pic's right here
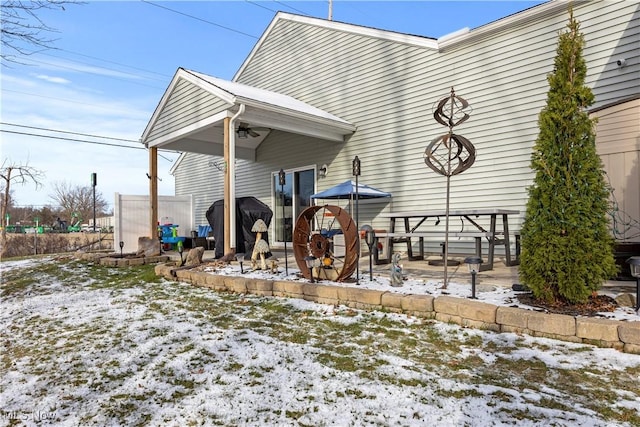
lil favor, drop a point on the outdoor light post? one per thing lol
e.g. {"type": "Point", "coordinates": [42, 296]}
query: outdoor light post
{"type": "Point", "coordinates": [474, 266]}
{"type": "Point", "coordinates": [94, 182]}
{"type": "Point", "coordinates": [121, 246]}
{"type": "Point", "coordinates": [370, 239]}
{"type": "Point", "coordinates": [35, 237]}
{"type": "Point", "coordinates": [282, 176]}
{"type": "Point", "coordinates": [356, 173]}
{"type": "Point", "coordinates": [310, 260]}
{"type": "Point", "coordinates": [240, 259]}
{"type": "Point", "coordinates": [634, 266]}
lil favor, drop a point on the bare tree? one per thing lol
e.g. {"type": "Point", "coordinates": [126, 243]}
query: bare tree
{"type": "Point", "coordinates": [22, 29]}
{"type": "Point", "coordinates": [76, 201]}
{"type": "Point", "coordinates": [17, 174]}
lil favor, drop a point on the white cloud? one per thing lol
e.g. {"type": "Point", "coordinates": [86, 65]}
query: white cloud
{"type": "Point", "coordinates": [58, 80]}
{"type": "Point", "coordinates": [59, 65]}
{"type": "Point", "coordinates": [32, 101]}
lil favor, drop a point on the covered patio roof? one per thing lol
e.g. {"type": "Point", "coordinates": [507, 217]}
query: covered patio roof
{"type": "Point", "coordinates": [190, 116]}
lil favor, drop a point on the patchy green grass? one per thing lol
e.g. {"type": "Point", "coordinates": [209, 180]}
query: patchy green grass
{"type": "Point", "coordinates": [118, 346]}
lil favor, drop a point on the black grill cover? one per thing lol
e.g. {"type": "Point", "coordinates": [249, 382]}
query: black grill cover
{"type": "Point", "coordinates": [248, 211]}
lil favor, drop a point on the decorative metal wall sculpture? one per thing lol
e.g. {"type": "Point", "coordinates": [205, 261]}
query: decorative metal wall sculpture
{"type": "Point", "coordinates": [450, 154]}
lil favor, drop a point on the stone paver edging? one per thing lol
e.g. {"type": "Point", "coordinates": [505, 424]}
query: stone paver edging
{"type": "Point", "coordinates": [621, 335]}
{"type": "Point", "coordinates": [109, 260]}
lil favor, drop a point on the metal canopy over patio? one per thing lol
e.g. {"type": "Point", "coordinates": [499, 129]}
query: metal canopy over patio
{"type": "Point", "coordinates": [203, 114]}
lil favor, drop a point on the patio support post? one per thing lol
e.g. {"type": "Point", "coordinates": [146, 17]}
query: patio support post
{"type": "Point", "coordinates": [153, 191]}
{"type": "Point", "coordinates": [227, 186]}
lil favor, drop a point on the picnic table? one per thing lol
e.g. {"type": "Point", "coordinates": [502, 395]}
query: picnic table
{"type": "Point", "coordinates": [475, 218]}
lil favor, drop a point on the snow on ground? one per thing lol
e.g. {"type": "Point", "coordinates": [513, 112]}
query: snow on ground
{"type": "Point", "coordinates": [485, 292]}
{"type": "Point", "coordinates": [86, 350]}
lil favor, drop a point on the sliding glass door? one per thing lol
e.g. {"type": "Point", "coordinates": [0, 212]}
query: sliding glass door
{"type": "Point", "coordinates": [298, 188]}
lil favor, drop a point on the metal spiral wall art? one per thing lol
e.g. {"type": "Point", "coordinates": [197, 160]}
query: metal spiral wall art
{"type": "Point", "coordinates": [450, 154]}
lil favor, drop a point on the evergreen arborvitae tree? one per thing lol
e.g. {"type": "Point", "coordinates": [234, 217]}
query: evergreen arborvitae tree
{"type": "Point", "coordinates": [567, 250]}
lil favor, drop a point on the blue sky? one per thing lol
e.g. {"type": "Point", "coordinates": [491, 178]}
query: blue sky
{"type": "Point", "coordinates": [113, 61]}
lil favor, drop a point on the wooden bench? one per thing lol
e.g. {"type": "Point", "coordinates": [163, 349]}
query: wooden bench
{"type": "Point", "coordinates": [405, 237]}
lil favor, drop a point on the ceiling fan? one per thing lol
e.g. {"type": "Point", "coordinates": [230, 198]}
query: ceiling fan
{"type": "Point", "coordinates": [244, 130]}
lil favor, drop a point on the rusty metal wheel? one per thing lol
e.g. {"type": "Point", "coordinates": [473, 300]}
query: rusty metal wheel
{"type": "Point", "coordinates": [314, 234]}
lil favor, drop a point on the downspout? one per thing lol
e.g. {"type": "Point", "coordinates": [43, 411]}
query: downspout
{"type": "Point", "coordinates": [231, 170]}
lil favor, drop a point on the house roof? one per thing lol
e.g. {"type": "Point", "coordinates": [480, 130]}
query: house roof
{"type": "Point", "coordinates": [463, 35]}
{"type": "Point", "coordinates": [250, 95]}
{"type": "Point", "coordinates": [181, 127]}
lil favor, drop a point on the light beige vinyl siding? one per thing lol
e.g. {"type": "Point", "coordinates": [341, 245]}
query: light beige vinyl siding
{"type": "Point", "coordinates": [186, 105]}
{"type": "Point", "coordinates": [199, 177]}
{"type": "Point", "coordinates": [387, 90]}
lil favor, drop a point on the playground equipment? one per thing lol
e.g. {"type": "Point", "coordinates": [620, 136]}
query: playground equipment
{"type": "Point", "coordinates": [169, 236]}
{"type": "Point", "coordinates": [76, 223]}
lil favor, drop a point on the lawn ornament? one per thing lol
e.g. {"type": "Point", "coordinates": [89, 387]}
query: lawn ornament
{"type": "Point", "coordinates": [274, 264]}
{"type": "Point", "coordinates": [396, 271]}
{"type": "Point", "coordinates": [450, 154]}
{"type": "Point", "coordinates": [259, 227]}
{"type": "Point", "coordinates": [320, 232]}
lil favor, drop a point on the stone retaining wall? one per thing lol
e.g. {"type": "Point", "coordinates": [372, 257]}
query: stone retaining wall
{"type": "Point", "coordinates": [110, 260]}
{"type": "Point", "coordinates": [624, 336]}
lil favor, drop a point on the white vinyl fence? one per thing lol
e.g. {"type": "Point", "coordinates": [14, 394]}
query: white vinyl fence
{"type": "Point", "coordinates": [132, 217]}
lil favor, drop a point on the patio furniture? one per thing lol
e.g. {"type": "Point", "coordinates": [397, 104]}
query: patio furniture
{"type": "Point", "coordinates": [477, 232]}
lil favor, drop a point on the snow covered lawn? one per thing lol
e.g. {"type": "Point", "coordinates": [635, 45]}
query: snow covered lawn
{"type": "Point", "coordinates": [91, 345]}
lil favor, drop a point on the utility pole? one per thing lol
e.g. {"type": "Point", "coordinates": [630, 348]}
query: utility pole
{"type": "Point", "coordinates": [330, 10]}
{"type": "Point", "coordinates": [94, 182]}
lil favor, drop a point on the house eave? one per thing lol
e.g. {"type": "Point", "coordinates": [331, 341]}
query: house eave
{"type": "Point", "coordinates": [534, 13]}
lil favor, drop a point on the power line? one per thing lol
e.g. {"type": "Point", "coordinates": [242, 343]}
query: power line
{"type": "Point", "coordinates": [59, 99]}
{"type": "Point", "coordinates": [262, 6]}
{"type": "Point", "coordinates": [71, 139]}
{"type": "Point", "coordinates": [69, 132]}
{"type": "Point", "coordinates": [291, 7]}
{"type": "Point", "coordinates": [106, 60]}
{"type": "Point", "coordinates": [81, 140]}
{"type": "Point", "coordinates": [200, 19]}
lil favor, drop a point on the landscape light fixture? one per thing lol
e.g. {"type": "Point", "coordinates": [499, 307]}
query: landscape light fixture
{"type": "Point", "coordinates": [121, 246]}
{"type": "Point", "coordinates": [282, 179]}
{"type": "Point", "coordinates": [634, 266]}
{"type": "Point", "coordinates": [473, 262]}
{"type": "Point", "coordinates": [160, 238]}
{"type": "Point", "coordinates": [240, 259]}
{"type": "Point", "coordinates": [180, 251]}
{"type": "Point", "coordinates": [310, 261]}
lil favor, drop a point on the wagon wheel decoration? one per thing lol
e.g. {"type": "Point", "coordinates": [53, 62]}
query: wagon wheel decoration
{"type": "Point", "coordinates": [327, 220]}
